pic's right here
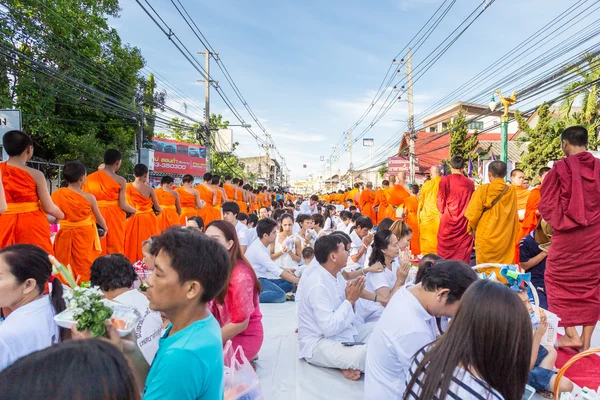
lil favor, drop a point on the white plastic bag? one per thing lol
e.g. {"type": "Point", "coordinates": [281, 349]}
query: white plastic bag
{"type": "Point", "coordinates": [551, 335]}
{"type": "Point", "coordinates": [241, 381]}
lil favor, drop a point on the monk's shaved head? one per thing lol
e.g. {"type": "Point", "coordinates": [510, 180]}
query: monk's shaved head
{"type": "Point", "coordinates": [497, 169]}
{"type": "Point", "coordinates": [435, 171]}
{"type": "Point", "coordinates": [369, 185]}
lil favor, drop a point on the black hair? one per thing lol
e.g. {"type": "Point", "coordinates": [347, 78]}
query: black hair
{"type": "Point", "coordinates": [385, 182]}
{"type": "Point", "coordinates": [207, 177]}
{"type": "Point", "coordinates": [113, 271]}
{"type": "Point", "coordinates": [26, 261]}
{"type": "Point", "coordinates": [449, 274]}
{"type": "Point", "coordinates": [303, 217]}
{"type": "Point", "coordinates": [278, 213]}
{"type": "Point", "coordinates": [73, 171]}
{"type": "Point", "coordinates": [426, 262]}
{"type": "Point", "coordinates": [187, 178]}
{"type": "Point", "coordinates": [243, 217]}
{"type": "Point", "coordinates": [314, 197]}
{"type": "Point", "coordinates": [198, 220]}
{"type": "Point", "coordinates": [285, 216]}
{"type": "Point", "coordinates": [16, 142]}
{"type": "Point", "coordinates": [326, 245]}
{"type": "Point", "coordinates": [345, 214]}
{"type": "Point", "coordinates": [345, 237]}
{"type": "Point", "coordinates": [385, 223]}
{"type": "Point", "coordinates": [232, 207]}
{"type": "Point", "coordinates": [415, 189]}
{"type": "Point", "coordinates": [349, 201]}
{"type": "Point", "coordinates": [576, 136]}
{"type": "Point", "coordinates": [215, 179]}
{"type": "Point", "coordinates": [543, 171]}
{"type": "Point", "coordinates": [112, 156]}
{"type": "Point", "coordinates": [364, 222]}
{"type": "Point", "coordinates": [319, 220]}
{"type": "Point", "coordinates": [195, 256]}
{"type": "Point", "coordinates": [253, 218]}
{"type": "Point", "coordinates": [90, 369]}
{"type": "Point", "coordinates": [498, 169]}
{"type": "Point", "coordinates": [308, 252]}
{"type": "Point", "coordinates": [265, 226]}
{"type": "Point", "coordinates": [381, 241]}
{"type": "Point", "coordinates": [227, 177]}
{"type": "Point", "coordinates": [457, 162]}
{"type": "Point", "coordinates": [235, 181]}
{"type": "Point", "coordinates": [140, 170]}
{"type": "Point", "coordinates": [352, 208]}
{"type": "Point", "coordinates": [166, 180]}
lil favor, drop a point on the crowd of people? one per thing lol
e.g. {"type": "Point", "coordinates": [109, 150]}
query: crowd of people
{"type": "Point", "coordinates": [382, 278]}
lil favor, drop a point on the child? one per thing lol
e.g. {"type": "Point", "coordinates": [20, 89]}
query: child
{"type": "Point", "coordinates": [533, 260]}
{"type": "Point", "coordinates": [542, 375]}
{"type": "Point", "coordinates": [345, 225]}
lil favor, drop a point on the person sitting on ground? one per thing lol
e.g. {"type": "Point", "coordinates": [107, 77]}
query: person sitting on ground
{"type": "Point", "coordinates": [115, 276]}
{"type": "Point", "coordinates": [425, 264]}
{"type": "Point", "coordinates": [486, 349]}
{"type": "Point", "coordinates": [361, 240]}
{"type": "Point", "coordinates": [383, 284]}
{"type": "Point", "coordinates": [408, 324]}
{"type": "Point", "coordinates": [353, 210]}
{"type": "Point", "coordinates": [231, 209]}
{"type": "Point", "coordinates": [344, 225]}
{"type": "Point", "coordinates": [275, 281]}
{"type": "Point", "coordinates": [306, 234]}
{"type": "Point", "coordinates": [387, 223]}
{"type": "Point", "coordinates": [76, 369]}
{"type": "Point", "coordinates": [195, 223]}
{"type": "Point", "coordinates": [286, 250]}
{"type": "Point", "coordinates": [308, 254]}
{"type": "Point", "coordinates": [542, 376]}
{"type": "Point", "coordinates": [318, 224]}
{"type": "Point", "coordinates": [326, 315]}
{"type": "Point", "coordinates": [404, 234]}
{"type": "Point", "coordinates": [533, 259]}
{"type": "Point", "coordinates": [243, 218]}
{"type": "Point", "coordinates": [237, 306]}
{"type": "Point", "coordinates": [24, 271]}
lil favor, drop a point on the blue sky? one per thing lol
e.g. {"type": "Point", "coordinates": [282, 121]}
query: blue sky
{"type": "Point", "coordinates": [309, 68]}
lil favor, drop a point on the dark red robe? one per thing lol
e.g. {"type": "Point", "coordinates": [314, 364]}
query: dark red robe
{"type": "Point", "coordinates": [571, 205]}
{"type": "Point", "coordinates": [454, 243]}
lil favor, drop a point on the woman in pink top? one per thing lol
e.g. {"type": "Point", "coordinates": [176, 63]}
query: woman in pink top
{"type": "Point", "coordinates": [237, 307]}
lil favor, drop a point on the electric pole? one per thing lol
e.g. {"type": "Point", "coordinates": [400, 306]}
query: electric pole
{"type": "Point", "coordinates": [207, 84]}
{"type": "Point", "coordinates": [351, 167]}
{"type": "Point", "coordinates": [411, 117]}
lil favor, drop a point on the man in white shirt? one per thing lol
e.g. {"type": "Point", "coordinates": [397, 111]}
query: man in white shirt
{"type": "Point", "coordinates": [230, 211]}
{"type": "Point", "coordinates": [408, 323]}
{"type": "Point", "coordinates": [327, 332]}
{"type": "Point", "coordinates": [310, 206]}
{"type": "Point", "coordinates": [275, 281]}
{"type": "Point", "coordinates": [361, 240]}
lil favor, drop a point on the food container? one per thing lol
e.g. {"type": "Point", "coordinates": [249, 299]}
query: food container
{"type": "Point", "coordinates": [124, 317]}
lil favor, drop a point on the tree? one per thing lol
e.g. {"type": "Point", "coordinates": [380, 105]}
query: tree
{"type": "Point", "coordinates": [462, 143]}
{"type": "Point", "coordinates": [382, 170]}
{"type": "Point", "coordinates": [224, 163]}
{"type": "Point", "coordinates": [149, 102]}
{"type": "Point", "coordinates": [543, 140]}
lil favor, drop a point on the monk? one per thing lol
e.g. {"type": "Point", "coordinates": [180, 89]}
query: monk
{"type": "Point", "coordinates": [411, 218]}
{"type": "Point", "coordinates": [229, 189]}
{"type": "Point", "coordinates": [221, 195]}
{"type": "Point", "coordinates": [143, 224]}
{"type": "Point", "coordinates": [380, 201]}
{"type": "Point", "coordinates": [209, 196]}
{"type": "Point", "coordinates": [517, 177]}
{"type": "Point", "coordinates": [429, 215]}
{"type": "Point", "coordinates": [240, 194]}
{"type": "Point", "coordinates": [352, 193]}
{"type": "Point", "coordinates": [492, 215]}
{"type": "Point", "coordinates": [109, 189]}
{"type": "Point", "coordinates": [189, 199]}
{"type": "Point", "coordinates": [3, 206]}
{"type": "Point", "coordinates": [367, 198]}
{"type": "Point", "coordinates": [168, 200]}
{"type": "Point", "coordinates": [571, 205]}
{"type": "Point", "coordinates": [77, 242]}
{"type": "Point", "coordinates": [396, 193]}
{"type": "Point", "coordinates": [454, 194]}
{"type": "Point", "coordinates": [25, 189]}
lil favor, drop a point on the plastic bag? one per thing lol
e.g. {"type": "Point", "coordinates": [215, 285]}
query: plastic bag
{"type": "Point", "coordinates": [241, 381]}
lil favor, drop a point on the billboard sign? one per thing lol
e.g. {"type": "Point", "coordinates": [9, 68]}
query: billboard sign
{"type": "Point", "coordinates": [172, 157]}
{"type": "Point", "coordinates": [369, 142]}
{"type": "Point", "coordinates": [398, 164]}
{"type": "Point", "coordinates": [9, 120]}
{"type": "Point", "coordinates": [223, 141]}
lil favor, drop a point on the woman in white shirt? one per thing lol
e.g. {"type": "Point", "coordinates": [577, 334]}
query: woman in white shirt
{"type": "Point", "coordinates": [286, 251]}
{"type": "Point", "coordinates": [24, 271]}
{"type": "Point", "coordinates": [483, 368]}
{"type": "Point", "coordinates": [115, 276]}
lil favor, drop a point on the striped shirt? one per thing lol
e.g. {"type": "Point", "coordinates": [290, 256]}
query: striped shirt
{"type": "Point", "coordinates": [464, 385]}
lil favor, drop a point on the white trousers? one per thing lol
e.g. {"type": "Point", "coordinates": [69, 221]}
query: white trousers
{"type": "Point", "coordinates": [332, 354]}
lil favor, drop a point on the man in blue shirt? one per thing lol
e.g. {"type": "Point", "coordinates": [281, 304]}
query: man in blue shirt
{"type": "Point", "coordinates": [533, 260]}
{"type": "Point", "coordinates": [190, 270]}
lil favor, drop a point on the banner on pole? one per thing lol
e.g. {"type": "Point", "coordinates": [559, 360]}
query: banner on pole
{"type": "Point", "coordinates": [173, 157]}
{"type": "Point", "coordinates": [369, 142]}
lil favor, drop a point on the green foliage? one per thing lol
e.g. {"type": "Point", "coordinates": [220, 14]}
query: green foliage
{"type": "Point", "coordinates": [544, 141]}
{"type": "Point", "coordinates": [382, 170]}
{"type": "Point", "coordinates": [66, 120]}
{"type": "Point", "coordinates": [462, 143]}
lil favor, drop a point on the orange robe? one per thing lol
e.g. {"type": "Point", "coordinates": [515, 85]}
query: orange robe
{"type": "Point", "coordinates": [141, 226]}
{"type": "Point", "coordinates": [106, 191]}
{"type": "Point", "coordinates": [217, 214]}
{"type": "Point", "coordinates": [367, 197]}
{"type": "Point", "coordinates": [168, 217]}
{"type": "Point", "coordinates": [531, 218]}
{"type": "Point", "coordinates": [411, 208]}
{"type": "Point", "coordinates": [496, 228]}
{"type": "Point", "coordinates": [260, 200]}
{"type": "Point", "coordinates": [395, 196]}
{"type": "Point", "coordinates": [230, 191]}
{"type": "Point", "coordinates": [209, 212]}
{"type": "Point", "coordinates": [429, 216]}
{"type": "Point", "coordinates": [187, 202]}
{"type": "Point", "coordinates": [240, 200]}
{"type": "Point", "coordinates": [23, 222]}
{"type": "Point", "coordinates": [339, 198]}
{"type": "Point", "coordinates": [77, 242]}
{"type": "Point", "coordinates": [380, 202]}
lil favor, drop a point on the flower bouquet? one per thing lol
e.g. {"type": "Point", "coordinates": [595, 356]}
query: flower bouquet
{"type": "Point", "coordinates": [87, 309]}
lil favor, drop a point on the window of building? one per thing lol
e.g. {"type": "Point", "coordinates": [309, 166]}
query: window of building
{"type": "Point", "coordinates": [476, 125]}
{"type": "Point", "coordinates": [444, 126]}
{"type": "Point", "coordinates": [432, 129]}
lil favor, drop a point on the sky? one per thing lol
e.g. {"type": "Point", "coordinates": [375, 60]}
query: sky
{"type": "Point", "coordinates": [308, 69]}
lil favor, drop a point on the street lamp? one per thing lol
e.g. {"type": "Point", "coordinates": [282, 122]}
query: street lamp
{"type": "Point", "coordinates": [506, 103]}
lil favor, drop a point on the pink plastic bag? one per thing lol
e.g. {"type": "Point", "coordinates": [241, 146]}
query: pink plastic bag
{"type": "Point", "coordinates": [241, 381]}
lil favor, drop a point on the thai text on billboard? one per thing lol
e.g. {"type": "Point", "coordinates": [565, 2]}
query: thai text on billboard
{"type": "Point", "coordinates": [398, 164]}
{"type": "Point", "coordinates": [174, 157]}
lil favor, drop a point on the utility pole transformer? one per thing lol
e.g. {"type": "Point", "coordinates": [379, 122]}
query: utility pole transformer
{"type": "Point", "coordinates": [207, 84]}
{"type": "Point", "coordinates": [411, 118]}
